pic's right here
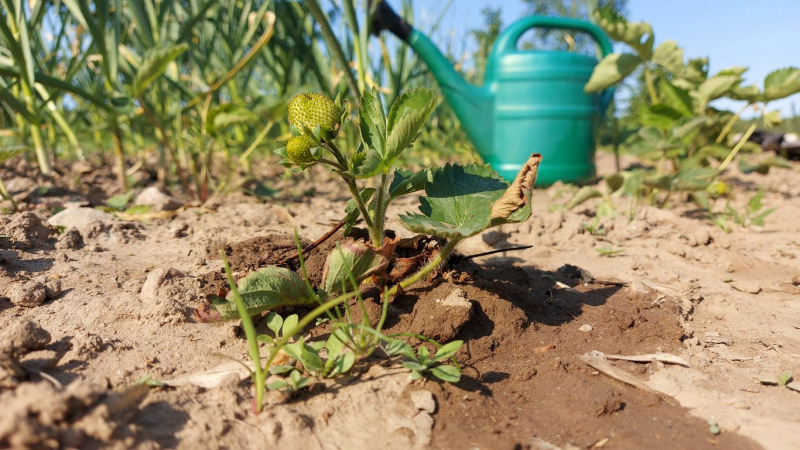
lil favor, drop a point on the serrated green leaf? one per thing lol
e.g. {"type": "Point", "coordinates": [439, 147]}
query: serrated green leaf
{"type": "Point", "coordinates": [678, 98]}
{"type": "Point", "coordinates": [355, 259]}
{"type": "Point", "coordinates": [369, 165]}
{"type": "Point", "coordinates": [660, 116]}
{"type": "Point", "coordinates": [611, 70]}
{"type": "Point", "coordinates": [584, 194]}
{"type": "Point", "coordinates": [781, 83]}
{"type": "Point", "coordinates": [407, 116]}
{"type": "Point", "coordinates": [669, 56]}
{"type": "Point", "coordinates": [638, 35]}
{"type": "Point", "coordinates": [405, 182]}
{"type": "Point", "coordinates": [750, 94]}
{"type": "Point", "coordinates": [447, 373]}
{"type": "Point", "coordinates": [696, 179]}
{"type": "Point", "coordinates": [447, 350]}
{"type": "Point", "coordinates": [154, 64]}
{"type": "Point", "coordinates": [372, 121]}
{"type": "Point", "coordinates": [267, 288]}
{"type": "Point", "coordinates": [458, 201]}
{"type": "Point", "coordinates": [715, 87]}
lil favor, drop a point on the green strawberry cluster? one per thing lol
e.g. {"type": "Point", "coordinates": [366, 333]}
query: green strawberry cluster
{"type": "Point", "coordinates": [315, 121]}
{"type": "Point", "coordinates": [315, 110]}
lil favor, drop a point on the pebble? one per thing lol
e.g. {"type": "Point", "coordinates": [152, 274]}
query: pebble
{"type": "Point", "coordinates": [750, 287]}
{"type": "Point", "coordinates": [585, 328]}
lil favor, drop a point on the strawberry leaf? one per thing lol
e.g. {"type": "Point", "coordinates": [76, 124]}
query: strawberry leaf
{"type": "Point", "coordinates": [267, 288]}
{"type": "Point", "coordinates": [407, 116]}
{"type": "Point", "coordinates": [458, 201]}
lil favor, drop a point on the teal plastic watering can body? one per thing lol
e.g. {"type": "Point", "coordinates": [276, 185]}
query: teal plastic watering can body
{"type": "Point", "coordinates": [532, 101]}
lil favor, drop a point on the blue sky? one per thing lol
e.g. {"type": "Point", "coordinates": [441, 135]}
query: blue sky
{"type": "Point", "coordinates": [763, 36]}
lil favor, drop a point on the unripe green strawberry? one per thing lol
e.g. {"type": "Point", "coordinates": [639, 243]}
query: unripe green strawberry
{"type": "Point", "coordinates": [298, 150]}
{"type": "Point", "coordinates": [314, 110]}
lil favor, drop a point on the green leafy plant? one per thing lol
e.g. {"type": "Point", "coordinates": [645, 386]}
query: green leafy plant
{"type": "Point", "coordinates": [422, 363]}
{"type": "Point", "coordinates": [752, 214]}
{"type": "Point", "coordinates": [459, 201]}
{"type": "Point", "coordinates": [680, 133]}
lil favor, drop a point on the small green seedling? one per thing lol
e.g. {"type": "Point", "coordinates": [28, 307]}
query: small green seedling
{"type": "Point", "coordinates": [595, 228]}
{"type": "Point", "coordinates": [293, 383]}
{"type": "Point", "coordinates": [752, 214]}
{"type": "Point", "coordinates": [422, 363]}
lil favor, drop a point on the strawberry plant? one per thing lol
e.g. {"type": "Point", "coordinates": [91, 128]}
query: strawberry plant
{"type": "Point", "coordinates": [458, 201]}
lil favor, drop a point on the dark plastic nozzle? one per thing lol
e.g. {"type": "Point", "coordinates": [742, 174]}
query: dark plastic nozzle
{"type": "Point", "coordinates": [384, 18]}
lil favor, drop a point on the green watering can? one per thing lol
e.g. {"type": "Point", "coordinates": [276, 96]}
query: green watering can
{"type": "Point", "coordinates": [532, 101]}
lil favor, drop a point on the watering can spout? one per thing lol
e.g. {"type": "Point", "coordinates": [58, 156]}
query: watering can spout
{"type": "Point", "coordinates": [472, 104]}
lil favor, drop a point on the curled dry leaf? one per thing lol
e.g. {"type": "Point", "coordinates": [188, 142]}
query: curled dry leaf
{"type": "Point", "coordinates": [518, 194]}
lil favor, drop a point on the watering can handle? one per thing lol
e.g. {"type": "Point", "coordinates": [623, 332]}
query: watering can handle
{"type": "Point", "coordinates": [507, 42]}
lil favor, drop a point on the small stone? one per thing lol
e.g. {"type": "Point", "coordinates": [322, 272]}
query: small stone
{"type": "Point", "coordinates": [157, 200]}
{"type": "Point", "coordinates": [796, 280]}
{"type": "Point", "coordinates": [28, 293]}
{"type": "Point", "coordinates": [83, 219]}
{"type": "Point", "coordinates": [750, 287]}
{"type": "Point", "coordinates": [585, 328]}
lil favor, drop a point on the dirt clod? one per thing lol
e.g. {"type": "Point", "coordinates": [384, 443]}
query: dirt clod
{"type": "Point", "coordinates": [28, 293]}
{"type": "Point", "coordinates": [25, 230]}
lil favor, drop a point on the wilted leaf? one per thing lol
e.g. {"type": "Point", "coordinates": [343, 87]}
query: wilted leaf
{"type": "Point", "coordinates": [611, 70]}
{"type": "Point", "coordinates": [515, 204]}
